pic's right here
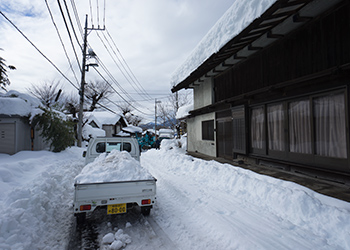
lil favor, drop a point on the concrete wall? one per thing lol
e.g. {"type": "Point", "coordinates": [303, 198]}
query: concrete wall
{"type": "Point", "coordinates": [203, 94]}
{"type": "Point", "coordinates": [194, 136]}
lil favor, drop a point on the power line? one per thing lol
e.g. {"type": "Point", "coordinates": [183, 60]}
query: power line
{"type": "Point", "coordinates": [59, 36]}
{"type": "Point", "coordinates": [116, 62]}
{"type": "Point", "coordinates": [71, 23]}
{"type": "Point", "coordinates": [118, 92]}
{"type": "Point", "coordinates": [134, 77]}
{"type": "Point", "coordinates": [67, 28]}
{"type": "Point", "coordinates": [37, 49]}
{"type": "Point", "coordinates": [112, 78]}
{"type": "Point", "coordinates": [74, 7]}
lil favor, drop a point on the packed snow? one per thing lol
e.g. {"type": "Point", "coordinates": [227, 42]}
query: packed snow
{"type": "Point", "coordinates": [236, 19]}
{"type": "Point", "coordinates": [200, 205]}
{"type": "Point", "coordinates": [114, 166]}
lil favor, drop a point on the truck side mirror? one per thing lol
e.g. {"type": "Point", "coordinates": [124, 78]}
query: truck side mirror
{"type": "Point", "coordinates": [84, 154]}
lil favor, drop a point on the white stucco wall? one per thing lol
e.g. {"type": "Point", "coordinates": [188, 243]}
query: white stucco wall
{"type": "Point", "coordinates": [203, 94]}
{"type": "Point", "coordinates": [194, 135]}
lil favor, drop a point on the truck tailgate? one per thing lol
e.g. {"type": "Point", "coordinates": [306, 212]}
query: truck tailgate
{"type": "Point", "coordinates": [116, 190]}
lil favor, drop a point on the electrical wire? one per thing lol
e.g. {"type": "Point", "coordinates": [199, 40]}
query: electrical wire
{"type": "Point", "coordinates": [135, 80]}
{"type": "Point", "coordinates": [119, 93]}
{"type": "Point", "coordinates": [70, 36]}
{"type": "Point", "coordinates": [92, 20]}
{"type": "Point", "coordinates": [71, 23]}
{"type": "Point", "coordinates": [60, 38]}
{"type": "Point", "coordinates": [116, 62]}
{"type": "Point", "coordinates": [98, 14]}
{"type": "Point", "coordinates": [74, 7]}
{"type": "Point", "coordinates": [41, 53]}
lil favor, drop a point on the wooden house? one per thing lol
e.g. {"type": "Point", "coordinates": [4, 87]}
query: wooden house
{"type": "Point", "coordinates": [278, 90]}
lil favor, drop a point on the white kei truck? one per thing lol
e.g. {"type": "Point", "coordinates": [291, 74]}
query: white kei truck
{"type": "Point", "coordinates": [117, 196]}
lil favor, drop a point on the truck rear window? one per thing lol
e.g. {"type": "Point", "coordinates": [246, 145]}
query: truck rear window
{"type": "Point", "coordinates": [102, 147]}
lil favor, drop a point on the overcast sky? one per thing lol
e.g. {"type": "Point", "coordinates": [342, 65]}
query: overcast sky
{"type": "Point", "coordinates": [153, 36]}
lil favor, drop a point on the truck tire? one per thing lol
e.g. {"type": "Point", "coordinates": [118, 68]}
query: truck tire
{"type": "Point", "coordinates": [80, 217]}
{"type": "Point", "coordinates": [145, 211]}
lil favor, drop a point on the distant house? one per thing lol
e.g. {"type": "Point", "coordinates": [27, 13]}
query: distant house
{"type": "Point", "coordinates": [16, 132]}
{"type": "Point", "coordinates": [271, 83]}
{"type": "Point", "coordinates": [111, 123]}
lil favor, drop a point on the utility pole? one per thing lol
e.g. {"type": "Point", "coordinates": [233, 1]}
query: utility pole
{"type": "Point", "coordinates": [82, 86]}
{"type": "Point", "coordinates": [155, 115]}
{"type": "Point", "coordinates": [84, 68]}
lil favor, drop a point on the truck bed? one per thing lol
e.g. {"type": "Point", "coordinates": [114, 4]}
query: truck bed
{"type": "Point", "coordinates": [108, 193]}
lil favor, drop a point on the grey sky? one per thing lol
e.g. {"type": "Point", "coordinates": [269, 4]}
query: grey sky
{"type": "Point", "coordinates": [153, 36]}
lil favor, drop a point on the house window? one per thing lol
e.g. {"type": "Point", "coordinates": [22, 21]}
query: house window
{"type": "Point", "coordinates": [300, 127]}
{"type": "Point", "coordinates": [257, 128]}
{"type": "Point", "coordinates": [307, 129]}
{"type": "Point", "coordinates": [208, 130]}
{"type": "Point", "coordinates": [330, 131]}
{"type": "Point", "coordinates": [275, 127]}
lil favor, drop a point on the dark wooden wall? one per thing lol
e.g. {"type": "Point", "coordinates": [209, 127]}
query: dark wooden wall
{"type": "Point", "coordinates": [319, 45]}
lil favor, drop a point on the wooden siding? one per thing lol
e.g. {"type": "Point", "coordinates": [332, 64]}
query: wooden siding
{"type": "Point", "coordinates": [320, 45]}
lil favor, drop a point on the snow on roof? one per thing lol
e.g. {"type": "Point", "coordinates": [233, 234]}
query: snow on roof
{"type": "Point", "coordinates": [102, 118]}
{"type": "Point", "coordinates": [89, 131]}
{"type": "Point", "coordinates": [15, 103]}
{"type": "Point", "coordinates": [184, 111]}
{"type": "Point", "coordinates": [235, 20]}
{"type": "Point", "coordinates": [166, 130]}
{"type": "Point", "coordinates": [132, 129]}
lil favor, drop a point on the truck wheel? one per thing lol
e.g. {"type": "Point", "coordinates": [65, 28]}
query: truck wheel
{"type": "Point", "coordinates": [80, 218]}
{"type": "Point", "coordinates": [145, 211]}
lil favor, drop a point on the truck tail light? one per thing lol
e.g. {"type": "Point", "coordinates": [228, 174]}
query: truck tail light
{"type": "Point", "coordinates": [85, 207]}
{"type": "Point", "coordinates": [146, 202]}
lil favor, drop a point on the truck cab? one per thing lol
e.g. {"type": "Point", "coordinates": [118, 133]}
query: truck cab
{"type": "Point", "coordinates": [100, 145]}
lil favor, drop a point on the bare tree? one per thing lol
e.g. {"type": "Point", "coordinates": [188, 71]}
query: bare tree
{"type": "Point", "coordinates": [167, 110]}
{"type": "Point", "coordinates": [72, 104]}
{"type": "Point", "coordinates": [97, 92]}
{"type": "Point", "coordinates": [48, 93]}
{"type": "Point", "coordinates": [128, 114]}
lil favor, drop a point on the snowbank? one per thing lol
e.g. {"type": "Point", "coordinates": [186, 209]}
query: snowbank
{"type": "Point", "coordinates": [115, 166]}
{"type": "Point", "coordinates": [36, 198]}
{"type": "Point", "coordinates": [236, 18]}
{"type": "Point", "coordinates": [228, 207]}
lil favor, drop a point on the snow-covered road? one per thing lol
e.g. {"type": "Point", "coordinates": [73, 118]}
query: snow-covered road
{"type": "Point", "coordinates": [200, 205]}
{"type": "Point", "coordinates": [208, 205]}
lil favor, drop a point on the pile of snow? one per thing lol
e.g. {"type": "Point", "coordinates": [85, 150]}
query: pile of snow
{"type": "Point", "coordinates": [177, 145]}
{"type": "Point", "coordinates": [15, 103]}
{"type": "Point", "coordinates": [235, 20]}
{"type": "Point", "coordinates": [36, 198]}
{"type": "Point", "coordinates": [115, 166]}
{"type": "Point", "coordinates": [116, 241]}
{"type": "Point", "coordinates": [227, 207]}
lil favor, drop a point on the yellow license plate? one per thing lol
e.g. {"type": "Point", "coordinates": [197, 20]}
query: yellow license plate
{"type": "Point", "coordinates": [116, 209]}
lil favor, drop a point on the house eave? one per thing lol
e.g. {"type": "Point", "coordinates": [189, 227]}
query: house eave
{"type": "Point", "coordinates": [282, 18]}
